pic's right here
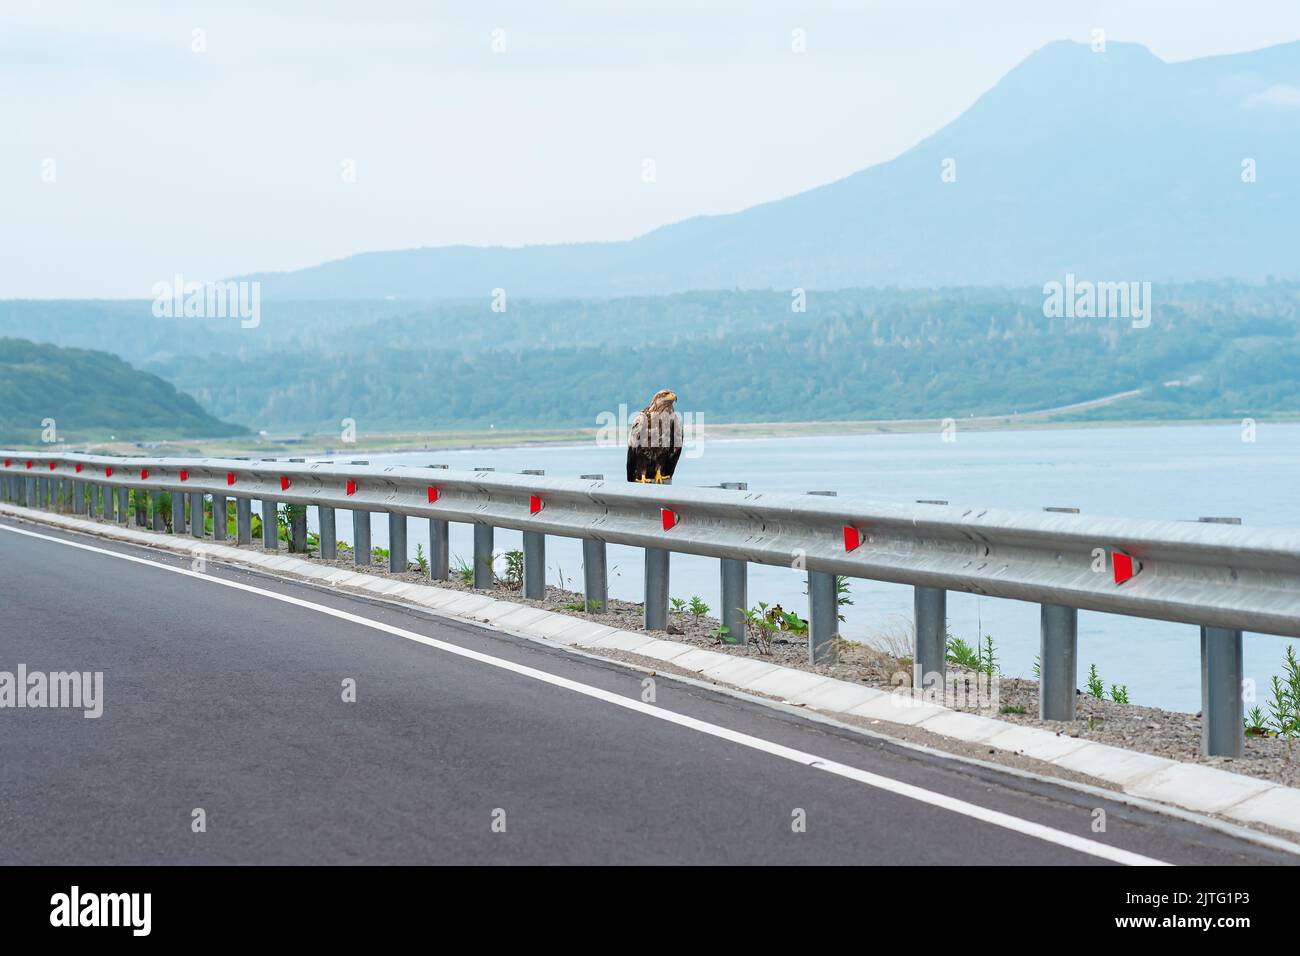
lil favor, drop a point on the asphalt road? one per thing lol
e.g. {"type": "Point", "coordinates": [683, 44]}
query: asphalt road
{"type": "Point", "coordinates": [232, 701]}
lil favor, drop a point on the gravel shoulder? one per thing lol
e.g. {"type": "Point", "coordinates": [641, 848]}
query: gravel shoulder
{"type": "Point", "coordinates": [883, 664]}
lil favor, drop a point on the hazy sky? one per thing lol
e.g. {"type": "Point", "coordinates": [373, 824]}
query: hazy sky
{"type": "Point", "coordinates": [230, 159]}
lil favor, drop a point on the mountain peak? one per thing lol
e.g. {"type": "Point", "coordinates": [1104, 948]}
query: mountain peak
{"type": "Point", "coordinates": [1112, 165]}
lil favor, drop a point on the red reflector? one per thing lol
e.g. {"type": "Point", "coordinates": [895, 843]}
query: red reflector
{"type": "Point", "coordinates": [534, 504]}
{"type": "Point", "coordinates": [78, 467]}
{"type": "Point", "coordinates": [352, 487]}
{"type": "Point", "coordinates": [108, 472]}
{"type": "Point", "coordinates": [230, 477]}
{"type": "Point", "coordinates": [670, 518]}
{"type": "Point", "coordinates": [284, 483]}
{"type": "Point", "coordinates": [7, 463]}
{"type": "Point", "coordinates": [185, 476]}
{"type": "Point", "coordinates": [51, 466]}
{"type": "Point", "coordinates": [433, 494]}
{"type": "Point", "coordinates": [1122, 565]}
{"type": "Point", "coordinates": [852, 538]}
{"type": "Point", "coordinates": [29, 464]}
{"type": "Point", "coordinates": [144, 474]}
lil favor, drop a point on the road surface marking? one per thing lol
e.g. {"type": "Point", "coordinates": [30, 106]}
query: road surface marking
{"type": "Point", "coordinates": [888, 784]}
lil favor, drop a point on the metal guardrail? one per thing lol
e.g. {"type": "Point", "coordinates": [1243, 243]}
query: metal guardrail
{"type": "Point", "coordinates": [1222, 577]}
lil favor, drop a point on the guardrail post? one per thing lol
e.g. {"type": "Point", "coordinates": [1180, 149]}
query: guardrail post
{"type": "Point", "coordinates": [929, 657]}
{"type": "Point", "coordinates": [595, 576]}
{"type": "Point", "coordinates": [329, 547]}
{"type": "Point", "coordinates": [270, 525]}
{"type": "Point", "coordinates": [735, 599]}
{"type": "Point", "coordinates": [1058, 655]}
{"type": "Point", "coordinates": [439, 550]}
{"type": "Point", "coordinates": [1222, 674]}
{"type": "Point", "coordinates": [142, 509]}
{"type": "Point", "coordinates": [155, 511]}
{"type": "Point", "coordinates": [1222, 715]}
{"type": "Point", "coordinates": [196, 514]}
{"type": "Point", "coordinates": [361, 538]}
{"type": "Point", "coordinates": [595, 568]}
{"type": "Point", "coordinates": [123, 505]}
{"type": "Point", "coordinates": [657, 562]}
{"type": "Point", "coordinates": [396, 542]}
{"type": "Point", "coordinates": [823, 612]}
{"type": "Point", "coordinates": [297, 518]}
{"type": "Point", "coordinates": [244, 520]}
{"type": "Point", "coordinates": [735, 588]}
{"type": "Point", "coordinates": [108, 496]}
{"type": "Point", "coordinates": [78, 497]}
{"type": "Point", "coordinates": [297, 515]}
{"type": "Point", "coordinates": [220, 517]}
{"type": "Point", "coordinates": [823, 618]}
{"type": "Point", "coordinates": [361, 532]}
{"type": "Point", "coordinates": [483, 576]}
{"type": "Point", "coordinates": [534, 559]}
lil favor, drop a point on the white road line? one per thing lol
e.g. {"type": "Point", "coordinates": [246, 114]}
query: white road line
{"type": "Point", "coordinates": [920, 794]}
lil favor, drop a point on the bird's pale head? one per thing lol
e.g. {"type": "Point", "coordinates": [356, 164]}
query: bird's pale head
{"type": "Point", "coordinates": [663, 400]}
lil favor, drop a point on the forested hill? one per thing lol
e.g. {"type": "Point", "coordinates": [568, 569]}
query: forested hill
{"type": "Point", "coordinates": [1210, 351]}
{"type": "Point", "coordinates": [91, 396]}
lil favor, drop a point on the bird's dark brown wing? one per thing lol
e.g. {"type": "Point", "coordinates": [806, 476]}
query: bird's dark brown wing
{"type": "Point", "coordinates": [637, 458]}
{"type": "Point", "coordinates": [674, 450]}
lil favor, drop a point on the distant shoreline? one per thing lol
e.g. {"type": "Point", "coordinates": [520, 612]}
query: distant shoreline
{"type": "Point", "coordinates": [398, 442]}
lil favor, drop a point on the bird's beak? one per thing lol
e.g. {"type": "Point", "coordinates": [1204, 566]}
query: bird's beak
{"type": "Point", "coordinates": [672, 396]}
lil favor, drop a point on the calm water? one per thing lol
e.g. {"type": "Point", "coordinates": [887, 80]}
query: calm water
{"type": "Point", "coordinates": [1152, 472]}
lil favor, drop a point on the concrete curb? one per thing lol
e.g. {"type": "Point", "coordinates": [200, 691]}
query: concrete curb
{"type": "Point", "coordinates": [1189, 786]}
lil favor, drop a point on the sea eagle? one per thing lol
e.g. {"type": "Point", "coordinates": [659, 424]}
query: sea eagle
{"type": "Point", "coordinates": [654, 440]}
